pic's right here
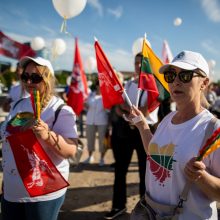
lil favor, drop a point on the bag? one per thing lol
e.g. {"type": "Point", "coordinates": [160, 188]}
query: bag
{"type": "Point", "coordinates": [144, 211]}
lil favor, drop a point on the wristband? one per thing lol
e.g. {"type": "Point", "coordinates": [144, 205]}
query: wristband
{"type": "Point", "coordinates": [136, 119]}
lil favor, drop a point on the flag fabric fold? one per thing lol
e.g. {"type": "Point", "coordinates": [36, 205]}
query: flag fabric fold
{"type": "Point", "coordinates": [147, 80]}
{"type": "Point", "coordinates": [14, 49]}
{"type": "Point", "coordinates": [78, 90]}
{"type": "Point", "coordinates": [110, 86]}
{"type": "Point", "coordinates": [155, 64]}
{"type": "Point", "coordinates": [212, 144]}
{"type": "Point", "coordinates": [39, 175]}
{"type": "Point", "coordinates": [167, 55]}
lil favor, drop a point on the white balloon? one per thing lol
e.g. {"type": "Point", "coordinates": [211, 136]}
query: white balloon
{"type": "Point", "coordinates": [177, 22]}
{"type": "Point", "coordinates": [37, 43]}
{"type": "Point", "coordinates": [58, 46]}
{"type": "Point", "coordinates": [90, 64]}
{"type": "Point", "coordinates": [137, 45]}
{"type": "Point", "coordinates": [69, 8]}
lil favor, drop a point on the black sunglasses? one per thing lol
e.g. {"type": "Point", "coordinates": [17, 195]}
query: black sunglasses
{"type": "Point", "coordinates": [184, 76]}
{"type": "Point", "coordinates": [34, 78]}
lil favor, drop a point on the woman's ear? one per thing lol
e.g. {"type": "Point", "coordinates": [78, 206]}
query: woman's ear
{"type": "Point", "coordinates": [205, 83]}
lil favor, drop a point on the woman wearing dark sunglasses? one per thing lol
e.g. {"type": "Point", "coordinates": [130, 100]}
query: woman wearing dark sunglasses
{"type": "Point", "coordinates": [172, 150]}
{"type": "Point", "coordinates": [58, 139]}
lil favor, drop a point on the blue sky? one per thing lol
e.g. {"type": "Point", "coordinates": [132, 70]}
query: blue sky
{"type": "Point", "coordinates": [117, 24]}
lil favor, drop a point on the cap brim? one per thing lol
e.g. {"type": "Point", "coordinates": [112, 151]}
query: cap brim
{"type": "Point", "coordinates": [24, 61]}
{"type": "Point", "coordinates": [181, 65]}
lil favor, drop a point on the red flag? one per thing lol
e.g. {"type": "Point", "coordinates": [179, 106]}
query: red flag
{"type": "Point", "coordinates": [14, 49]}
{"type": "Point", "coordinates": [38, 173]}
{"type": "Point", "coordinates": [110, 86]}
{"type": "Point", "coordinates": [78, 90]}
{"type": "Point", "coordinates": [167, 55]}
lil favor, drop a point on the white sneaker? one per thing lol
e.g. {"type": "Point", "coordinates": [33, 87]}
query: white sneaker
{"type": "Point", "coordinates": [89, 160]}
{"type": "Point", "coordinates": [101, 162]}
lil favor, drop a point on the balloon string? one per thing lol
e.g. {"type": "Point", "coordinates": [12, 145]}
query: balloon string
{"type": "Point", "coordinates": [63, 28]}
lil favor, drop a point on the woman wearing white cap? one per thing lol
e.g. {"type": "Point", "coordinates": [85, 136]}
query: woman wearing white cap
{"type": "Point", "coordinates": [31, 195]}
{"type": "Point", "coordinates": [172, 150]}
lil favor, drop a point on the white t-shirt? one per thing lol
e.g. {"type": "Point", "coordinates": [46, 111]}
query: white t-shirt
{"type": "Point", "coordinates": [96, 114]}
{"type": "Point", "coordinates": [171, 147]}
{"type": "Point", "coordinates": [131, 88]}
{"type": "Point", "coordinates": [65, 125]}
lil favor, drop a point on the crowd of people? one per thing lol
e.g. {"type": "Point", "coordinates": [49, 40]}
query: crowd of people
{"type": "Point", "coordinates": [167, 142]}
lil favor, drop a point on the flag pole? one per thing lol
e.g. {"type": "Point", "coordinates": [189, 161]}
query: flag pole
{"type": "Point", "coordinates": [139, 89]}
{"type": "Point", "coordinates": [127, 98]}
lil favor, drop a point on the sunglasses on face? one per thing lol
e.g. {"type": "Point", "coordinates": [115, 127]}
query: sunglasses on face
{"type": "Point", "coordinates": [34, 78]}
{"type": "Point", "coordinates": [184, 76]}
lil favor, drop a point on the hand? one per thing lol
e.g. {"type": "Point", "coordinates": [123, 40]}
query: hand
{"type": "Point", "coordinates": [125, 108]}
{"type": "Point", "coordinates": [194, 169]}
{"type": "Point", "coordinates": [41, 129]}
{"type": "Point", "coordinates": [135, 116]}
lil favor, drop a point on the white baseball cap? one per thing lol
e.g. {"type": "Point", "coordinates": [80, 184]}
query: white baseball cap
{"type": "Point", "coordinates": [188, 60]}
{"type": "Point", "coordinates": [39, 60]}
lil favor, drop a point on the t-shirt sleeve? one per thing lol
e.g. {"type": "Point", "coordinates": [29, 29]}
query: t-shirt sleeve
{"type": "Point", "coordinates": [66, 123]}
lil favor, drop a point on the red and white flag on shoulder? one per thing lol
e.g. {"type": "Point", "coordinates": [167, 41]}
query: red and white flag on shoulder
{"type": "Point", "coordinates": [110, 86]}
{"type": "Point", "coordinates": [78, 90]}
{"type": "Point", "coordinates": [167, 55]}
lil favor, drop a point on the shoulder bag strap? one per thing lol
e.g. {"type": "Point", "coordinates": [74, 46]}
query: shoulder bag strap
{"type": "Point", "coordinates": [16, 103]}
{"type": "Point", "coordinates": [57, 112]}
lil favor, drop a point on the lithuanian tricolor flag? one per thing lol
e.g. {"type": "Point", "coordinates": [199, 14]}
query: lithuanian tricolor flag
{"type": "Point", "coordinates": [150, 79]}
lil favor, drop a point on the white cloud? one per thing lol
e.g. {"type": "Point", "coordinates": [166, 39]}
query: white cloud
{"type": "Point", "coordinates": [209, 46]}
{"type": "Point", "coordinates": [117, 12]}
{"type": "Point", "coordinates": [212, 9]}
{"type": "Point", "coordinates": [97, 5]}
{"type": "Point", "coordinates": [49, 30]}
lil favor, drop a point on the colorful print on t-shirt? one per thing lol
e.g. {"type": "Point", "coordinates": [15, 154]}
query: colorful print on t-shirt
{"type": "Point", "coordinates": [161, 161]}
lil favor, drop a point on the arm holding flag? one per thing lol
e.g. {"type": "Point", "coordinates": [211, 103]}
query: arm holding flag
{"type": "Point", "coordinates": [65, 147]}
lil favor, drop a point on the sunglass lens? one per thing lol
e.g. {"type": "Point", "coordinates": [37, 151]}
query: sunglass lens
{"type": "Point", "coordinates": [24, 77]}
{"type": "Point", "coordinates": [36, 78]}
{"type": "Point", "coordinates": [186, 76]}
{"type": "Point", "coordinates": [169, 77]}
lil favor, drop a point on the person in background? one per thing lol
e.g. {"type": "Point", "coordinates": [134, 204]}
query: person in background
{"type": "Point", "coordinates": [125, 140]}
{"type": "Point", "coordinates": [96, 121]}
{"type": "Point", "coordinates": [179, 138]}
{"type": "Point", "coordinates": [58, 141]}
{"type": "Point", "coordinates": [16, 91]}
{"type": "Point", "coordinates": [211, 94]}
